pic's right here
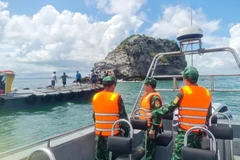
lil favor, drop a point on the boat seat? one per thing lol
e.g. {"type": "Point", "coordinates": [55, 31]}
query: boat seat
{"type": "Point", "coordinates": [165, 139]}
{"type": "Point", "coordinates": [119, 144]}
{"type": "Point", "coordinates": [139, 124]}
{"type": "Point", "coordinates": [223, 134]}
{"type": "Point", "coordinates": [189, 153]}
{"type": "Point", "coordinates": [137, 154]}
{"type": "Point", "coordinates": [124, 145]}
{"type": "Point", "coordinates": [197, 154]}
{"type": "Point", "coordinates": [214, 119]}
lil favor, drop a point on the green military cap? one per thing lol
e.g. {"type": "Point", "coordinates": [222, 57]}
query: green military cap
{"type": "Point", "coordinates": [191, 74]}
{"type": "Point", "coordinates": [150, 81]}
{"type": "Point", "coordinates": [108, 81]}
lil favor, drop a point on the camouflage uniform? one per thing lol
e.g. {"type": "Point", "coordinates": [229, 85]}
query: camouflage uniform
{"type": "Point", "coordinates": [101, 152]}
{"type": "Point", "coordinates": [155, 104]}
{"type": "Point", "coordinates": [194, 139]}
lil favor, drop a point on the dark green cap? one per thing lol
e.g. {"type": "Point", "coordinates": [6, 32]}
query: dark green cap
{"type": "Point", "coordinates": [150, 81]}
{"type": "Point", "coordinates": [108, 81]}
{"type": "Point", "coordinates": [191, 74]}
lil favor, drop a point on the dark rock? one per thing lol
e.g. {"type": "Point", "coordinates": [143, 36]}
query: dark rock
{"type": "Point", "coordinates": [132, 58]}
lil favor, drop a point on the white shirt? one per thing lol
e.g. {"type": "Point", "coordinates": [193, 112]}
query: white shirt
{"type": "Point", "coordinates": [54, 77]}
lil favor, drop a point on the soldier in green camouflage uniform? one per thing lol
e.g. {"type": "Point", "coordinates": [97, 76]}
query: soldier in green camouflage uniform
{"type": "Point", "coordinates": [150, 85]}
{"type": "Point", "coordinates": [101, 152]}
{"type": "Point", "coordinates": [194, 140]}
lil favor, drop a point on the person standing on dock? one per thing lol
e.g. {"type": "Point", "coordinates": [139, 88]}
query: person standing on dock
{"type": "Point", "coordinates": [54, 79]}
{"type": "Point", "coordinates": [108, 107]}
{"type": "Point", "coordinates": [78, 78]}
{"type": "Point", "coordinates": [64, 79]}
{"type": "Point", "coordinates": [94, 79]}
{"type": "Point", "coordinates": [151, 101]}
{"type": "Point", "coordinates": [194, 109]}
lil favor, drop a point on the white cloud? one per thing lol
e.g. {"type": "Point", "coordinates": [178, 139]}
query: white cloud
{"type": "Point", "coordinates": [66, 41]}
{"type": "Point", "coordinates": [220, 62]}
{"type": "Point", "coordinates": [235, 37]}
{"type": "Point", "coordinates": [3, 5]}
{"type": "Point", "coordinates": [121, 7]}
{"type": "Point", "coordinates": [176, 17]}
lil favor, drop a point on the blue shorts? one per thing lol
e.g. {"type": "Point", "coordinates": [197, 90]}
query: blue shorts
{"type": "Point", "coordinates": [94, 81]}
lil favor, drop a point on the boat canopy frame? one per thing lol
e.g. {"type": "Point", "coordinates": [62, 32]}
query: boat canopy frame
{"type": "Point", "coordinates": [199, 51]}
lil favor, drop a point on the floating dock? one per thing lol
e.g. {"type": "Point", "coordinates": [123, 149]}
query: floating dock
{"type": "Point", "coordinates": [29, 98]}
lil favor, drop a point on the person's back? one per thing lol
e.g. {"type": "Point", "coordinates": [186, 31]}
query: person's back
{"type": "Point", "coordinates": [54, 79]}
{"type": "Point", "coordinates": [194, 107]}
{"type": "Point", "coordinates": [108, 107]}
{"type": "Point", "coordinates": [64, 79]}
{"type": "Point", "coordinates": [94, 79]}
{"type": "Point", "coordinates": [94, 76]}
{"type": "Point", "coordinates": [78, 78]}
{"type": "Point", "coordinates": [107, 115]}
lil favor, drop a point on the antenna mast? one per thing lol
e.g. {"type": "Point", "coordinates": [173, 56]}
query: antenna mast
{"type": "Point", "coordinates": [191, 44]}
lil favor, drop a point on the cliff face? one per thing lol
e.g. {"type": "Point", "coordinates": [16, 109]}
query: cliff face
{"type": "Point", "coordinates": [132, 58]}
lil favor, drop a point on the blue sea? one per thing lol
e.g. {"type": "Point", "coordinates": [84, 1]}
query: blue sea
{"type": "Point", "coordinates": [18, 128]}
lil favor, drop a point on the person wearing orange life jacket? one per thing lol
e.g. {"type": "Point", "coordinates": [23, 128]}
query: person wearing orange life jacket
{"type": "Point", "coordinates": [108, 107]}
{"type": "Point", "coordinates": [151, 100]}
{"type": "Point", "coordinates": [194, 109]}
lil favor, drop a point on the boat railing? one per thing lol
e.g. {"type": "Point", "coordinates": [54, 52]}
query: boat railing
{"type": "Point", "coordinates": [44, 150]}
{"type": "Point", "coordinates": [47, 141]}
{"type": "Point", "coordinates": [200, 51]}
{"type": "Point", "coordinates": [211, 76]}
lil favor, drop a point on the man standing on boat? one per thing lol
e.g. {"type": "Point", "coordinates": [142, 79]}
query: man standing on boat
{"type": "Point", "coordinates": [108, 107]}
{"type": "Point", "coordinates": [151, 101]}
{"type": "Point", "coordinates": [194, 109]}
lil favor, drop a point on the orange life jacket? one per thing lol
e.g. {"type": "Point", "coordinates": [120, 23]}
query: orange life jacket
{"type": "Point", "coordinates": [106, 112]}
{"type": "Point", "coordinates": [193, 107]}
{"type": "Point", "coordinates": [145, 103]}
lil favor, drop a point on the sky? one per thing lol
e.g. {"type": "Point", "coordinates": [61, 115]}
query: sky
{"type": "Point", "coordinates": [39, 37]}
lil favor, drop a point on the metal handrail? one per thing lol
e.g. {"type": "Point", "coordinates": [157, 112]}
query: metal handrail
{"type": "Point", "coordinates": [48, 140]}
{"type": "Point", "coordinates": [45, 150]}
{"type": "Point", "coordinates": [155, 60]}
{"type": "Point", "coordinates": [130, 134]}
{"type": "Point", "coordinates": [202, 75]}
{"type": "Point", "coordinates": [219, 113]}
{"type": "Point", "coordinates": [206, 131]}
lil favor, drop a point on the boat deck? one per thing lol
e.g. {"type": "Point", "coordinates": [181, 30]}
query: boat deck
{"type": "Point", "coordinates": [80, 144]}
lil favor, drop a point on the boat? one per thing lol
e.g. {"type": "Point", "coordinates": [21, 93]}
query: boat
{"type": "Point", "coordinates": [222, 142]}
{"type": "Point", "coordinates": [14, 99]}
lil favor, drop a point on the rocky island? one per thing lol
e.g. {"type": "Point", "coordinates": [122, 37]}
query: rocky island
{"type": "Point", "coordinates": [132, 58]}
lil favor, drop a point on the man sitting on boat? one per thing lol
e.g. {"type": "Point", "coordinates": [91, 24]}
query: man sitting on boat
{"type": "Point", "coordinates": [108, 107]}
{"type": "Point", "coordinates": [194, 109]}
{"type": "Point", "coordinates": [151, 100]}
